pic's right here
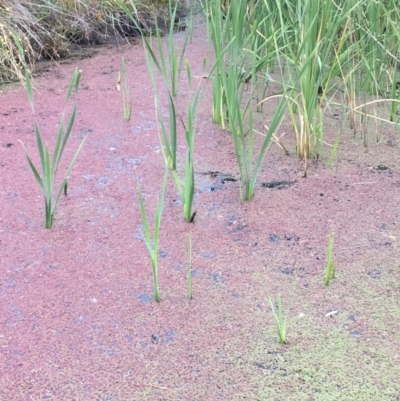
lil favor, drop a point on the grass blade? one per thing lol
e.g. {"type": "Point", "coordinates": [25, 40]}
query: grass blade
{"type": "Point", "coordinates": [29, 91]}
{"type": "Point", "coordinates": [33, 168]}
{"type": "Point", "coordinates": [152, 243]}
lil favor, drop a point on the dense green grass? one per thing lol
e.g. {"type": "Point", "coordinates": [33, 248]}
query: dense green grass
{"type": "Point", "coordinates": [317, 50]}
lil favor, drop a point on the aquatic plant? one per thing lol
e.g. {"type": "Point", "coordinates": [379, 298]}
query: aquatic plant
{"type": "Point", "coordinates": [331, 263]}
{"type": "Point", "coordinates": [49, 164]}
{"type": "Point", "coordinates": [153, 241]}
{"type": "Point", "coordinates": [236, 37]}
{"type": "Point", "coordinates": [168, 63]}
{"type": "Point", "coordinates": [280, 318]}
{"type": "Point", "coordinates": [321, 47]}
{"type": "Point", "coordinates": [123, 81]}
{"type": "Point", "coordinates": [186, 190]}
{"type": "Point", "coordinates": [170, 66]}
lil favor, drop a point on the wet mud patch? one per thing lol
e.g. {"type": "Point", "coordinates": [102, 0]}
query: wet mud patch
{"type": "Point", "coordinates": [211, 181]}
{"type": "Point", "coordinates": [278, 184]}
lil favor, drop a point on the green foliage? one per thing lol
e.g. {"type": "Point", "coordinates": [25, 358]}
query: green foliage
{"type": "Point", "coordinates": [126, 102]}
{"type": "Point", "coordinates": [331, 263]}
{"type": "Point", "coordinates": [170, 72]}
{"type": "Point", "coordinates": [168, 139]}
{"type": "Point", "coordinates": [280, 318]}
{"type": "Point", "coordinates": [49, 164]}
{"type": "Point", "coordinates": [236, 37]}
{"type": "Point", "coordinates": [170, 65]}
{"type": "Point", "coordinates": [320, 46]}
{"type": "Point", "coordinates": [186, 191]}
{"type": "Point", "coordinates": [394, 91]}
{"type": "Point", "coordinates": [152, 241]}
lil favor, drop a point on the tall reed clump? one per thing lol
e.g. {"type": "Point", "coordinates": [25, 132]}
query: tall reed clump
{"type": "Point", "coordinates": [322, 47]}
{"type": "Point", "coordinates": [313, 33]}
{"type": "Point", "coordinates": [242, 51]}
{"type": "Point", "coordinates": [152, 241]}
{"type": "Point", "coordinates": [330, 46]}
{"type": "Point", "coordinates": [49, 164]}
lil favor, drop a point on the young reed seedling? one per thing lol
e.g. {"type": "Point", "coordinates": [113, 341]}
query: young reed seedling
{"type": "Point", "coordinates": [280, 318]}
{"type": "Point", "coordinates": [334, 151]}
{"type": "Point", "coordinates": [152, 242]}
{"type": "Point", "coordinates": [330, 267]}
{"type": "Point", "coordinates": [186, 191]}
{"type": "Point", "coordinates": [49, 164]}
{"type": "Point", "coordinates": [168, 139]}
{"type": "Point", "coordinates": [126, 102]}
{"type": "Point", "coordinates": [170, 65]}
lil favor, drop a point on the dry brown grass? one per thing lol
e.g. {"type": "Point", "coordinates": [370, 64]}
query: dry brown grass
{"type": "Point", "coordinates": [45, 28]}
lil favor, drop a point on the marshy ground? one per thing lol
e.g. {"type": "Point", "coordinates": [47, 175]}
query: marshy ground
{"type": "Point", "coordinates": [77, 319]}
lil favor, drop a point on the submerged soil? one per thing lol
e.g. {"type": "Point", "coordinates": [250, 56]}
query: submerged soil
{"type": "Point", "coordinates": [77, 318]}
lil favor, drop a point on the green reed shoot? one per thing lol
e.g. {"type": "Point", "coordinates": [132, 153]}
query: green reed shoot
{"type": "Point", "coordinates": [176, 61]}
{"type": "Point", "coordinates": [189, 266]}
{"type": "Point", "coordinates": [222, 39]}
{"type": "Point", "coordinates": [126, 102]}
{"type": "Point", "coordinates": [168, 139]}
{"type": "Point", "coordinates": [186, 190]}
{"type": "Point", "coordinates": [310, 50]}
{"type": "Point", "coordinates": [152, 241]}
{"type": "Point", "coordinates": [334, 151]}
{"type": "Point", "coordinates": [170, 65]}
{"type": "Point", "coordinates": [262, 87]}
{"type": "Point", "coordinates": [280, 318]}
{"type": "Point", "coordinates": [394, 92]}
{"type": "Point", "coordinates": [170, 72]}
{"type": "Point", "coordinates": [49, 164]}
{"type": "Point", "coordinates": [330, 266]}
